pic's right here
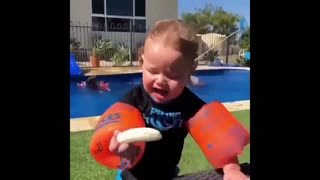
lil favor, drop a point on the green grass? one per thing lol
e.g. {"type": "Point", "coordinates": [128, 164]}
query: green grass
{"type": "Point", "coordinates": [82, 165]}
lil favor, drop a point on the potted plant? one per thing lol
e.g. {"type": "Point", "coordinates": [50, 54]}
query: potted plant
{"type": "Point", "coordinates": [121, 56]}
{"type": "Point", "coordinates": [101, 47]}
{"type": "Point", "coordinates": [95, 58]}
{"type": "Point", "coordinates": [74, 45]}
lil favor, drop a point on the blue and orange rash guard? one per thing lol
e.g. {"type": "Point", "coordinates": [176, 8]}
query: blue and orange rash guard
{"type": "Point", "coordinates": [161, 158]}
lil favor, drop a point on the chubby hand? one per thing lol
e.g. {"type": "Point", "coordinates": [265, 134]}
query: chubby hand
{"type": "Point", "coordinates": [124, 150]}
{"type": "Point", "coordinates": [233, 172]}
{"type": "Point", "coordinates": [235, 175]}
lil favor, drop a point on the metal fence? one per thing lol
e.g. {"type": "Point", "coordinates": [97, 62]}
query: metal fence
{"type": "Point", "coordinates": [130, 38]}
{"type": "Point", "coordinates": [225, 48]}
{"type": "Point", "coordinates": [126, 36]}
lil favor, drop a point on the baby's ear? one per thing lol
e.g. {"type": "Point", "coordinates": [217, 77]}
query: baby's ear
{"type": "Point", "coordinates": [140, 55]}
{"type": "Point", "coordinates": [141, 58]}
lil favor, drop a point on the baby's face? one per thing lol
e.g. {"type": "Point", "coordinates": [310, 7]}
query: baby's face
{"type": "Point", "coordinates": [165, 72]}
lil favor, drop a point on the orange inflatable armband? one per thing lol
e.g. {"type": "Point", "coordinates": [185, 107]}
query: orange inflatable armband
{"type": "Point", "coordinates": [119, 116]}
{"type": "Point", "coordinates": [219, 134]}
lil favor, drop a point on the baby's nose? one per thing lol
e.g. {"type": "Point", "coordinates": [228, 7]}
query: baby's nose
{"type": "Point", "coordinates": [161, 80]}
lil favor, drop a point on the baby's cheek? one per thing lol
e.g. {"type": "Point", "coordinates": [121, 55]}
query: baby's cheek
{"type": "Point", "coordinates": [148, 83]}
{"type": "Point", "coordinates": [173, 84]}
{"type": "Point", "coordinates": [175, 87]}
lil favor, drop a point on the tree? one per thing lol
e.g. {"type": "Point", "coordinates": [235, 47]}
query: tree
{"type": "Point", "coordinates": [245, 40]}
{"type": "Point", "coordinates": [225, 23]}
{"type": "Point", "coordinates": [210, 19]}
{"type": "Point", "coordinates": [197, 21]}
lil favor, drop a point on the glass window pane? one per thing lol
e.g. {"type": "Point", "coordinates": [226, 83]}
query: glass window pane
{"type": "Point", "coordinates": [120, 7]}
{"type": "Point", "coordinates": [140, 25]}
{"type": "Point", "coordinates": [98, 24]}
{"type": "Point", "coordinates": [118, 24]}
{"type": "Point", "coordinates": [140, 8]}
{"type": "Point", "coordinates": [97, 6]}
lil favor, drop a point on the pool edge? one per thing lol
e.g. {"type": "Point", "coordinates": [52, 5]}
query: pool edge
{"type": "Point", "coordinates": [109, 72]}
{"type": "Point", "coordinates": [88, 123]}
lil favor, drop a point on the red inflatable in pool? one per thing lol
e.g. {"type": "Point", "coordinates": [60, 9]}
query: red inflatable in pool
{"type": "Point", "coordinates": [104, 86]}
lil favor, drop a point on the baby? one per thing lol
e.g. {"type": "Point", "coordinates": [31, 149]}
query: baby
{"type": "Point", "coordinates": [165, 102]}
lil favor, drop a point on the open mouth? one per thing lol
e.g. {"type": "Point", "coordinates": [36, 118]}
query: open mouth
{"type": "Point", "coordinates": [161, 92]}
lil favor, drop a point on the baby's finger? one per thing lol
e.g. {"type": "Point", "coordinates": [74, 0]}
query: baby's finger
{"type": "Point", "coordinates": [123, 147]}
{"type": "Point", "coordinates": [113, 146]}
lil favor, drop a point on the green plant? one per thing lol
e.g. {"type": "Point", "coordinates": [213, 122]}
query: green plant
{"type": "Point", "coordinates": [211, 55]}
{"type": "Point", "coordinates": [101, 47]}
{"type": "Point", "coordinates": [245, 40]}
{"type": "Point", "coordinates": [243, 62]}
{"type": "Point", "coordinates": [74, 45]}
{"type": "Point", "coordinates": [246, 63]}
{"type": "Point", "coordinates": [121, 55]}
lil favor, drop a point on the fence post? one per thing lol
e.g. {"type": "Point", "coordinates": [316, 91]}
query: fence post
{"type": "Point", "coordinates": [130, 43]}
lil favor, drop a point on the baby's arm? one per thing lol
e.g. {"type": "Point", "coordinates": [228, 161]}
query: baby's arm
{"type": "Point", "coordinates": [211, 122]}
{"type": "Point", "coordinates": [120, 116]}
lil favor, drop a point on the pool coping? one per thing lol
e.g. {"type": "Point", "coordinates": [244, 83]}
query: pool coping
{"type": "Point", "coordinates": [88, 123]}
{"type": "Point", "coordinates": [137, 70]}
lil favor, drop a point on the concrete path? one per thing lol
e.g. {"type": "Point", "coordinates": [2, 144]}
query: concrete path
{"type": "Point", "coordinates": [131, 70]}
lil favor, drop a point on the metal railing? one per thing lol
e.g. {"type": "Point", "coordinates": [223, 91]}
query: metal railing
{"type": "Point", "coordinates": [83, 37]}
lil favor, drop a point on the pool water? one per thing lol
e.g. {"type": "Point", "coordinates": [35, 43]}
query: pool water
{"type": "Point", "coordinates": [221, 85]}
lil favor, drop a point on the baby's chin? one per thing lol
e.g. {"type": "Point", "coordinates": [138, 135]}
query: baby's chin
{"type": "Point", "coordinates": [158, 98]}
{"type": "Point", "coordinates": [162, 99]}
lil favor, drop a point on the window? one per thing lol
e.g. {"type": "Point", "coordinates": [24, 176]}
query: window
{"type": "Point", "coordinates": [98, 6]}
{"type": "Point", "coordinates": [120, 7]}
{"type": "Point", "coordinates": [118, 24]}
{"type": "Point", "coordinates": [118, 15]}
{"type": "Point", "coordinates": [98, 23]}
{"type": "Point", "coordinates": [139, 25]}
{"type": "Point", "coordinates": [140, 8]}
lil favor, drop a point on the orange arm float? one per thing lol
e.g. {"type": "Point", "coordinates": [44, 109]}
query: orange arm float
{"type": "Point", "coordinates": [119, 116]}
{"type": "Point", "coordinates": [219, 134]}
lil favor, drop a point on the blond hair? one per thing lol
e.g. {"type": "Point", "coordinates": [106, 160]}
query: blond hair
{"type": "Point", "coordinates": [175, 34]}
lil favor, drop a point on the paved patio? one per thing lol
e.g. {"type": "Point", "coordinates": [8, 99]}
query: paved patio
{"type": "Point", "coordinates": [130, 70]}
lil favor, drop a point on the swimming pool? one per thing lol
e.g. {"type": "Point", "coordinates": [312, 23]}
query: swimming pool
{"type": "Point", "coordinates": [222, 85]}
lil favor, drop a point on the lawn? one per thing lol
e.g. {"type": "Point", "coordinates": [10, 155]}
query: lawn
{"type": "Point", "coordinates": [82, 165]}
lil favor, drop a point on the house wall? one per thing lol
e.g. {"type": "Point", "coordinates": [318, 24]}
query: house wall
{"type": "Point", "coordinates": [80, 14]}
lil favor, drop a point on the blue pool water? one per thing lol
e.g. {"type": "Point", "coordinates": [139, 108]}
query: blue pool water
{"type": "Point", "coordinates": [221, 85]}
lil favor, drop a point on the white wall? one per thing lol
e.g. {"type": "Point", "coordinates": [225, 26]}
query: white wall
{"type": "Point", "coordinates": [80, 13]}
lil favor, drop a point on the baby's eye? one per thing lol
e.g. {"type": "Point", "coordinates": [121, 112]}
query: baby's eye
{"type": "Point", "coordinates": [173, 76]}
{"type": "Point", "coordinates": [152, 71]}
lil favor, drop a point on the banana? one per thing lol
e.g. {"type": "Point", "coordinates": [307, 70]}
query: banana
{"type": "Point", "coordinates": [139, 135]}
